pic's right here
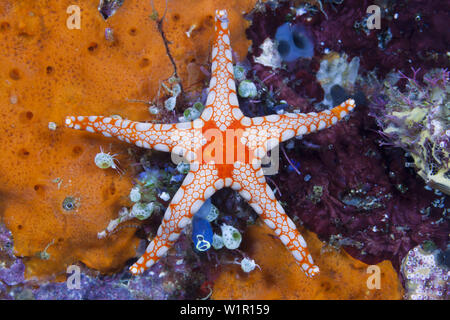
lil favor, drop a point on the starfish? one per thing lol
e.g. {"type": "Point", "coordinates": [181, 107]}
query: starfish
{"type": "Point", "coordinates": [224, 149]}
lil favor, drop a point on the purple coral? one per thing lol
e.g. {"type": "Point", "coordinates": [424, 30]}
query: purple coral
{"type": "Point", "coordinates": [378, 207]}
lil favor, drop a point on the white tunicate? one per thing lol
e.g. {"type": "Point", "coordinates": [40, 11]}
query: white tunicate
{"type": "Point", "coordinates": [337, 72]}
{"type": "Point", "coordinates": [248, 265]}
{"type": "Point", "coordinates": [247, 89]}
{"type": "Point", "coordinates": [213, 213]}
{"type": "Point", "coordinates": [191, 113]}
{"type": "Point", "coordinates": [153, 110]}
{"type": "Point", "coordinates": [195, 113]}
{"type": "Point", "coordinates": [183, 167]}
{"type": "Point", "coordinates": [104, 160]}
{"type": "Point", "coordinates": [141, 210]}
{"type": "Point", "coordinates": [176, 89]}
{"type": "Point", "coordinates": [352, 71]}
{"type": "Point", "coordinates": [170, 103]}
{"type": "Point", "coordinates": [135, 194]}
{"type": "Point", "coordinates": [239, 72]}
{"type": "Point", "coordinates": [231, 237]}
{"type": "Point", "coordinates": [300, 11]}
{"type": "Point", "coordinates": [208, 211]}
{"type": "Point", "coordinates": [164, 196]}
{"type": "Point", "coordinates": [270, 57]}
{"type": "Point", "coordinates": [217, 242]}
{"type": "Point", "coordinates": [198, 106]}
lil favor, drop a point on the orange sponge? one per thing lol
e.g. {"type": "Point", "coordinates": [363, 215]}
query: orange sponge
{"type": "Point", "coordinates": [49, 71]}
{"type": "Point", "coordinates": [341, 276]}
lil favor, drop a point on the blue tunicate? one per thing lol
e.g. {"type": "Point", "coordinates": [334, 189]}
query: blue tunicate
{"type": "Point", "coordinates": [142, 176]}
{"type": "Point", "coordinates": [202, 233]}
{"type": "Point", "coordinates": [204, 209]}
{"type": "Point", "coordinates": [177, 178]}
{"type": "Point", "coordinates": [293, 42]}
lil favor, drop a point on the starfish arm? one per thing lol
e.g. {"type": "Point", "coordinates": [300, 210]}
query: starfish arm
{"type": "Point", "coordinates": [222, 105]}
{"type": "Point", "coordinates": [163, 137]}
{"type": "Point", "coordinates": [252, 186]}
{"type": "Point", "coordinates": [197, 187]}
{"type": "Point", "coordinates": [265, 133]}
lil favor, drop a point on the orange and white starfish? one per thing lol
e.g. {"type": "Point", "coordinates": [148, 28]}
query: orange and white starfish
{"type": "Point", "coordinates": [224, 149]}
